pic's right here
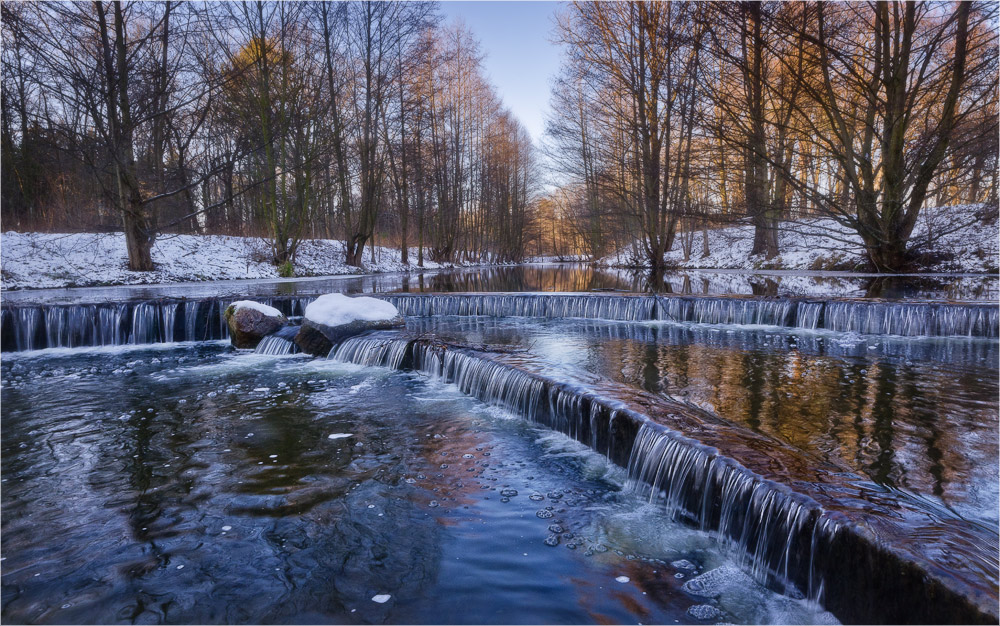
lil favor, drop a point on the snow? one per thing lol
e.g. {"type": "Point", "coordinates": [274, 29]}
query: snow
{"type": "Point", "coordinates": [49, 260]}
{"type": "Point", "coordinates": [825, 244]}
{"type": "Point", "coordinates": [269, 311]}
{"type": "Point", "coordinates": [334, 309]}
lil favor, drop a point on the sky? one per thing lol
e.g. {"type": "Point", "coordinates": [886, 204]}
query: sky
{"type": "Point", "coordinates": [520, 59]}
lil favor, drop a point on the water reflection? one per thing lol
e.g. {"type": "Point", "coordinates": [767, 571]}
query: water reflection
{"type": "Point", "coordinates": [574, 277]}
{"type": "Point", "coordinates": [195, 485]}
{"type": "Point", "coordinates": [913, 414]}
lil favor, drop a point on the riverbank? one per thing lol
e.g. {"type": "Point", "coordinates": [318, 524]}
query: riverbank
{"type": "Point", "coordinates": [961, 242]}
{"type": "Point", "coordinates": [52, 260]}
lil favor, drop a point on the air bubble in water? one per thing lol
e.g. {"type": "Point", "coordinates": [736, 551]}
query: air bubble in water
{"type": "Point", "coordinates": [704, 612]}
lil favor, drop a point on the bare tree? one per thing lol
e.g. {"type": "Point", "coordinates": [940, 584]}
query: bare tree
{"type": "Point", "coordinates": [893, 81]}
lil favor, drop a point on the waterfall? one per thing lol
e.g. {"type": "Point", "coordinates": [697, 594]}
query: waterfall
{"type": "Point", "coordinates": [908, 319]}
{"type": "Point", "coordinates": [622, 308]}
{"type": "Point", "coordinates": [809, 315]}
{"type": "Point", "coordinates": [383, 349]}
{"type": "Point", "coordinates": [785, 538]}
{"type": "Point", "coordinates": [768, 312]}
{"type": "Point", "coordinates": [280, 343]}
{"type": "Point", "coordinates": [794, 539]}
{"type": "Point", "coordinates": [767, 524]}
{"type": "Point", "coordinates": [770, 526]}
{"type": "Point", "coordinates": [32, 327]}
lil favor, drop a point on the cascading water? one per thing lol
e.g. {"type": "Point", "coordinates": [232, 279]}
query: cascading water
{"type": "Point", "coordinates": [771, 526]}
{"type": "Point", "coordinates": [785, 537]}
{"type": "Point", "coordinates": [35, 327]}
{"type": "Point", "coordinates": [112, 324]}
{"type": "Point", "coordinates": [892, 318]}
{"type": "Point", "coordinates": [280, 343]}
{"type": "Point", "coordinates": [374, 349]}
{"type": "Point", "coordinates": [909, 319]}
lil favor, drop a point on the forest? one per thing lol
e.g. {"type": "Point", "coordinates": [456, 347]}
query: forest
{"type": "Point", "coordinates": [375, 123]}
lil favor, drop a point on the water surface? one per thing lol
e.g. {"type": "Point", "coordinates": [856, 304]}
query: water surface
{"type": "Point", "coordinates": [194, 484]}
{"type": "Point", "coordinates": [549, 277]}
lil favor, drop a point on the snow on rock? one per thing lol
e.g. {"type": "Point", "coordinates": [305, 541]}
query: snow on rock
{"type": "Point", "coordinates": [334, 317]}
{"type": "Point", "coordinates": [269, 311]}
{"type": "Point", "coordinates": [336, 309]}
{"type": "Point", "coordinates": [249, 322]}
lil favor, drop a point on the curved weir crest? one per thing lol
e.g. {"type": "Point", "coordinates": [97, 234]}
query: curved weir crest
{"type": "Point", "coordinates": [790, 533]}
{"type": "Point", "coordinates": [33, 327]}
{"type": "Point", "coordinates": [786, 539]}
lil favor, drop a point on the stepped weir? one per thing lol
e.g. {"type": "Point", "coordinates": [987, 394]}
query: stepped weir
{"type": "Point", "coordinates": [34, 327]}
{"type": "Point", "coordinates": [779, 509]}
{"type": "Point", "coordinates": [802, 525]}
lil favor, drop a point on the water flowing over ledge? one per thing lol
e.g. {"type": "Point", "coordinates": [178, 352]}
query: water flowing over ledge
{"type": "Point", "coordinates": [795, 520]}
{"type": "Point", "coordinates": [33, 327]}
{"type": "Point", "coordinates": [911, 319]}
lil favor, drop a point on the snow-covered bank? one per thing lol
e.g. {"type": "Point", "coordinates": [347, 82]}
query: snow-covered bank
{"type": "Point", "coordinates": [43, 260]}
{"type": "Point", "coordinates": [823, 244]}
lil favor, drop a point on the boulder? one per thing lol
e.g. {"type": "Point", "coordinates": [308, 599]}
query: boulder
{"type": "Point", "coordinates": [334, 317]}
{"type": "Point", "coordinates": [318, 339]}
{"type": "Point", "coordinates": [249, 322]}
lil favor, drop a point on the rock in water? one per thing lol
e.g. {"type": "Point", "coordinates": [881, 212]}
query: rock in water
{"type": "Point", "coordinates": [334, 317]}
{"type": "Point", "coordinates": [249, 322]}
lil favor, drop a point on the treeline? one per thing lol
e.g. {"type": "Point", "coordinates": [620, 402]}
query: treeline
{"type": "Point", "coordinates": [285, 120]}
{"type": "Point", "coordinates": [671, 117]}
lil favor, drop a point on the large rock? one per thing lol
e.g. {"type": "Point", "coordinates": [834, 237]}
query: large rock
{"type": "Point", "coordinates": [318, 339]}
{"type": "Point", "coordinates": [334, 317]}
{"type": "Point", "coordinates": [249, 322]}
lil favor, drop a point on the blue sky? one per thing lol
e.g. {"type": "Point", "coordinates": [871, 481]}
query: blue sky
{"type": "Point", "coordinates": [520, 59]}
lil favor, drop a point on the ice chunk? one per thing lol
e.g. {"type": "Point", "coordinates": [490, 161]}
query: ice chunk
{"type": "Point", "coordinates": [338, 436]}
{"type": "Point", "coordinates": [381, 598]}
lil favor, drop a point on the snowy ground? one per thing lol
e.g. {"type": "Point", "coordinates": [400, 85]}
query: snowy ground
{"type": "Point", "coordinates": [823, 244]}
{"type": "Point", "coordinates": [42, 260]}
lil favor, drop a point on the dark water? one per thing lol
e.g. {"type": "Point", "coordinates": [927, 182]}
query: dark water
{"type": "Point", "coordinates": [552, 278]}
{"type": "Point", "coordinates": [194, 484]}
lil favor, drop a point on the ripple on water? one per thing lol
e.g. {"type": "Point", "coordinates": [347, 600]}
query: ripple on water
{"type": "Point", "coordinates": [185, 475]}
